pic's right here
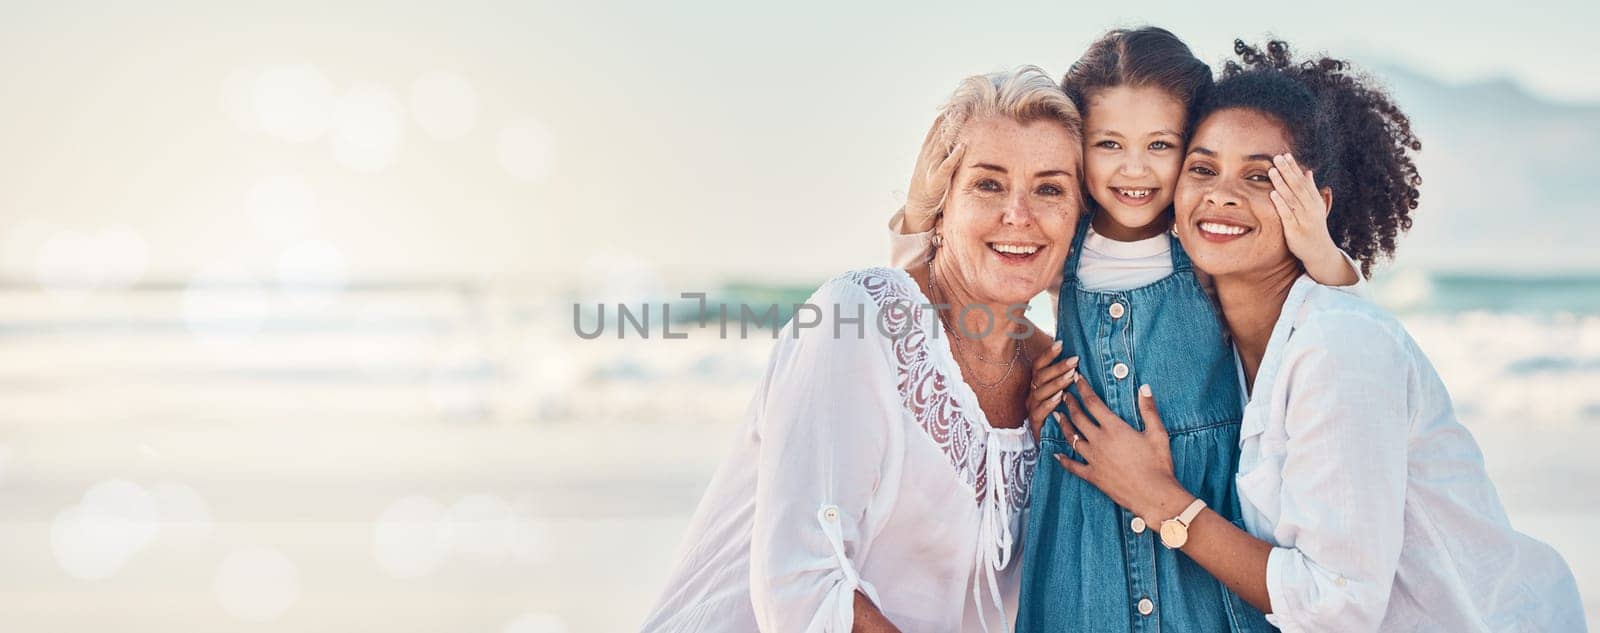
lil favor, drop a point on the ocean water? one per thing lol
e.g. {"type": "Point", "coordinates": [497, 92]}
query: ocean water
{"type": "Point", "coordinates": [454, 456]}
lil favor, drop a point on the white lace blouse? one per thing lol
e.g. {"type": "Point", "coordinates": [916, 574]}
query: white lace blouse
{"type": "Point", "coordinates": [864, 463]}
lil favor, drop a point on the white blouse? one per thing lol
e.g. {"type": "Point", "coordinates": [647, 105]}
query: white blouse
{"type": "Point", "coordinates": [864, 463]}
{"type": "Point", "coordinates": [1353, 464]}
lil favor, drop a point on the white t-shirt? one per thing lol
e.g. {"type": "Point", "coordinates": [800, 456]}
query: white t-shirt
{"type": "Point", "coordinates": [1109, 265]}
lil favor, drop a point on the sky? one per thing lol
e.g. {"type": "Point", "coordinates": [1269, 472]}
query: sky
{"type": "Point", "coordinates": [174, 142]}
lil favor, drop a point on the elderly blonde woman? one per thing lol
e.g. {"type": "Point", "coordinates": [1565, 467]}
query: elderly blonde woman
{"type": "Point", "coordinates": [877, 482]}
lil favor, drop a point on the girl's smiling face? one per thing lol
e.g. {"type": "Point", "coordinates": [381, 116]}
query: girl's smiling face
{"type": "Point", "coordinates": [1133, 149]}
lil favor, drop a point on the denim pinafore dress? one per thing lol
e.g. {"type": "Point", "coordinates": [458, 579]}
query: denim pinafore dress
{"type": "Point", "coordinates": [1087, 565]}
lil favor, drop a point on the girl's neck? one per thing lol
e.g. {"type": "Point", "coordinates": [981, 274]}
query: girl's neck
{"type": "Point", "coordinates": [1108, 227]}
{"type": "Point", "coordinates": [1251, 304]}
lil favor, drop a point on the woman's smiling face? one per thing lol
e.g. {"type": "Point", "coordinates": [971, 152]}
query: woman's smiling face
{"type": "Point", "coordinates": [1133, 147]}
{"type": "Point", "coordinates": [1012, 207]}
{"type": "Point", "coordinates": [1225, 219]}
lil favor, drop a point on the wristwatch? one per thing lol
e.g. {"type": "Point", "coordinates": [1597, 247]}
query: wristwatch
{"type": "Point", "coordinates": [1175, 531]}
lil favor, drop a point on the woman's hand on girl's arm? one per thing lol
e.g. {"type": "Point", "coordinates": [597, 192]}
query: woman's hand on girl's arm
{"type": "Point", "coordinates": [1134, 469]}
{"type": "Point", "coordinates": [1048, 385]}
{"type": "Point", "coordinates": [1304, 208]}
{"type": "Point", "coordinates": [930, 180]}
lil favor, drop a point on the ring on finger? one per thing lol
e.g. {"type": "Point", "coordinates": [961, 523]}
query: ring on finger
{"type": "Point", "coordinates": [1075, 438]}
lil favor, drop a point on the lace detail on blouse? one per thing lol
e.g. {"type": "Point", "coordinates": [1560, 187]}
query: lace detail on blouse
{"type": "Point", "coordinates": [930, 389]}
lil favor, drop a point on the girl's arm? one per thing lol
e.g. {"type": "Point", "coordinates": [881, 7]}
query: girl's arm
{"type": "Point", "coordinates": [907, 250]}
{"type": "Point", "coordinates": [911, 227]}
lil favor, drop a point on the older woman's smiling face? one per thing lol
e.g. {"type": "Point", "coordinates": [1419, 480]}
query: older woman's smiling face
{"type": "Point", "coordinates": [1225, 217]}
{"type": "Point", "coordinates": [1012, 208]}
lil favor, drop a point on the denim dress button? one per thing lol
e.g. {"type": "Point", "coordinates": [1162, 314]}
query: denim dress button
{"type": "Point", "coordinates": [1138, 525]}
{"type": "Point", "coordinates": [1117, 310]}
{"type": "Point", "coordinates": [1146, 607]}
{"type": "Point", "coordinates": [1120, 371]}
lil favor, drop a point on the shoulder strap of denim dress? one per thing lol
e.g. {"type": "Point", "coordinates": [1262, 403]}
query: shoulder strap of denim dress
{"type": "Point", "coordinates": [1180, 258]}
{"type": "Point", "coordinates": [1067, 315]}
{"type": "Point", "coordinates": [1067, 297]}
{"type": "Point", "coordinates": [1069, 269]}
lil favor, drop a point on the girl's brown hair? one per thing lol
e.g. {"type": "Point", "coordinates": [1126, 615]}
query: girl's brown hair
{"type": "Point", "coordinates": [1148, 56]}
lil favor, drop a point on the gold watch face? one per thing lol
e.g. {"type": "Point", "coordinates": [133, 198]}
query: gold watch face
{"type": "Point", "coordinates": [1174, 534]}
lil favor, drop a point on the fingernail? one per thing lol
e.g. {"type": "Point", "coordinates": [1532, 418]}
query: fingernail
{"type": "Point", "coordinates": [1144, 390]}
{"type": "Point", "coordinates": [1273, 171]}
{"type": "Point", "coordinates": [1073, 360]}
{"type": "Point", "coordinates": [1057, 346]}
{"type": "Point", "coordinates": [1289, 156]}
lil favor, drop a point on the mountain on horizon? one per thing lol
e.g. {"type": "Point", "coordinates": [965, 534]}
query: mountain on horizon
{"type": "Point", "coordinates": [1506, 175]}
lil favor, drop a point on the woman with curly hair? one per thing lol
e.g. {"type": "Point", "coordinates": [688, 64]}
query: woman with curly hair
{"type": "Point", "coordinates": [1365, 503]}
{"type": "Point", "coordinates": [1130, 310]}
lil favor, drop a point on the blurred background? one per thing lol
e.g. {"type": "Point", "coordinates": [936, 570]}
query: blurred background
{"type": "Point", "coordinates": [286, 289]}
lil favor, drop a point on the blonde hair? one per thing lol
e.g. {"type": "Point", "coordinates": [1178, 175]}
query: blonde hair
{"type": "Point", "coordinates": [1023, 95]}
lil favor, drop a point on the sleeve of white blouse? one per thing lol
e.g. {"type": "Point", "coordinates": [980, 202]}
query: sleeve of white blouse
{"type": "Point", "coordinates": [1344, 476]}
{"type": "Point", "coordinates": [906, 250]}
{"type": "Point", "coordinates": [1360, 287]}
{"type": "Point", "coordinates": [827, 435]}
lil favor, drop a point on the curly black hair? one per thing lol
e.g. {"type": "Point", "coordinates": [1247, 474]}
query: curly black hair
{"type": "Point", "coordinates": [1342, 127]}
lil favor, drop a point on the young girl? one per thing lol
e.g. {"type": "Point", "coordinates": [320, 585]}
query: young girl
{"type": "Point", "coordinates": [1366, 505]}
{"type": "Point", "coordinates": [1131, 312]}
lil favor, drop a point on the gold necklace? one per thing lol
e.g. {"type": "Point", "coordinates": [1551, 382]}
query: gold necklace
{"type": "Point", "coordinates": [955, 337]}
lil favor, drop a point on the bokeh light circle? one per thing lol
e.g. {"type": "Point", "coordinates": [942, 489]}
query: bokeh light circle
{"type": "Point", "coordinates": [256, 584]}
{"type": "Point", "coordinates": [367, 128]}
{"type": "Point", "coordinates": [445, 105]}
{"type": "Point", "coordinates": [525, 150]}
{"type": "Point", "coordinates": [293, 102]}
{"type": "Point", "coordinates": [412, 537]}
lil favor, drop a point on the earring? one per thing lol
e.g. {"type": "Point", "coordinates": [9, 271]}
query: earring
{"type": "Point", "coordinates": [938, 240]}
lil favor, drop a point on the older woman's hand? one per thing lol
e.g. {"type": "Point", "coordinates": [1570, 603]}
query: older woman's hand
{"type": "Point", "coordinates": [930, 180]}
{"type": "Point", "coordinates": [1133, 468]}
{"type": "Point", "coordinates": [1048, 386]}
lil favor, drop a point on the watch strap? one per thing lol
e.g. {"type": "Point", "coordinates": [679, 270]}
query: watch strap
{"type": "Point", "coordinates": [1191, 512]}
